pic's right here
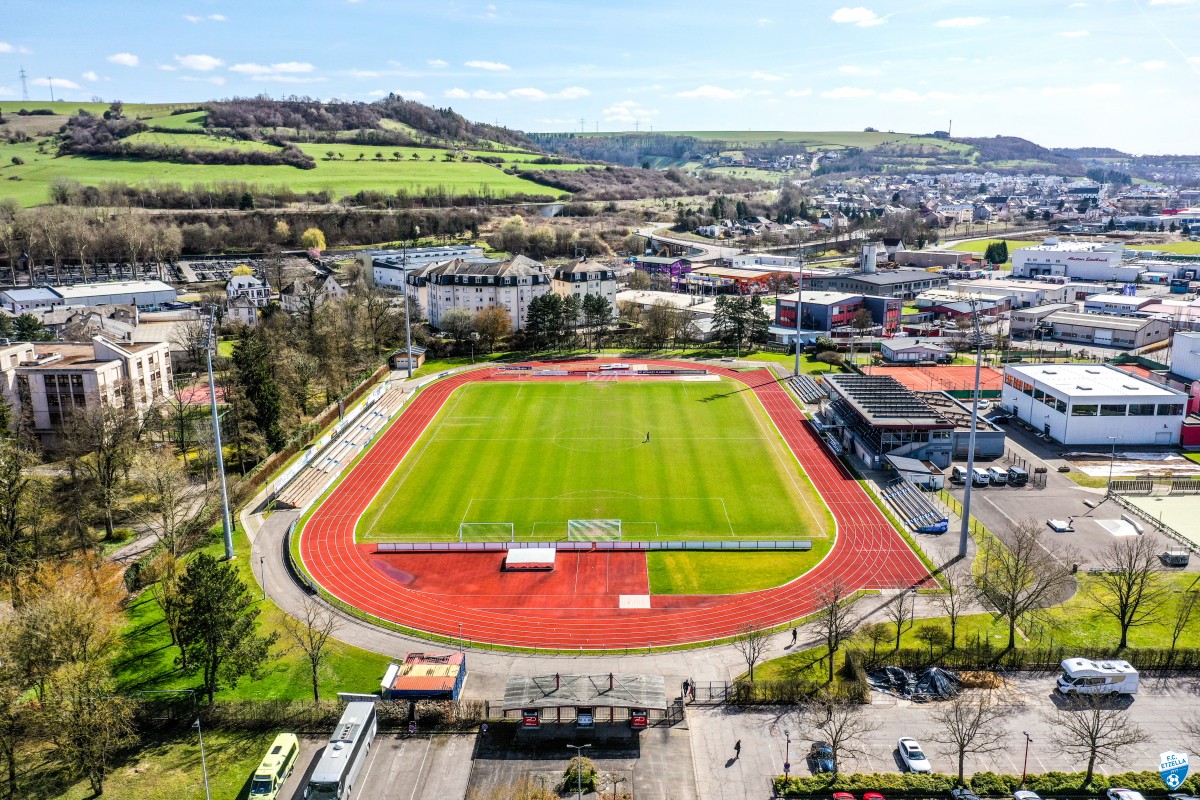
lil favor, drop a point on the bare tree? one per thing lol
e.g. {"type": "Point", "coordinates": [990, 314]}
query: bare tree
{"type": "Point", "coordinates": [166, 493]}
{"type": "Point", "coordinates": [311, 632]}
{"type": "Point", "coordinates": [1089, 726]}
{"type": "Point", "coordinates": [1023, 574]}
{"type": "Point", "coordinates": [1185, 604]}
{"type": "Point", "coordinates": [1128, 586]}
{"type": "Point", "coordinates": [99, 445]}
{"type": "Point", "coordinates": [969, 725]}
{"type": "Point", "coordinates": [957, 589]}
{"type": "Point", "coordinates": [900, 611]}
{"type": "Point", "coordinates": [190, 337]}
{"type": "Point", "coordinates": [840, 722]}
{"type": "Point", "coordinates": [835, 619]}
{"type": "Point", "coordinates": [751, 641]}
{"type": "Point", "coordinates": [877, 633]}
{"type": "Point", "coordinates": [88, 725]}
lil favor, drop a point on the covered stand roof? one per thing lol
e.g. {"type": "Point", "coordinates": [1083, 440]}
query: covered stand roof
{"type": "Point", "coordinates": [883, 401]}
{"type": "Point", "coordinates": [562, 691]}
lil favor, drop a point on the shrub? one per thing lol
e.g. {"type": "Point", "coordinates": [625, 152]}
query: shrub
{"type": "Point", "coordinates": [984, 784]}
{"type": "Point", "coordinates": [581, 772]}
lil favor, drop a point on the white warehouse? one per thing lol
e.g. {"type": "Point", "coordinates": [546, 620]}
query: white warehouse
{"type": "Point", "coordinates": [1093, 404]}
{"type": "Point", "coordinates": [1081, 261]}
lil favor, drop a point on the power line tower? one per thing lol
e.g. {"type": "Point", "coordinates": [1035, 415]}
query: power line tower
{"type": "Point", "coordinates": [50, 83]}
{"type": "Point", "coordinates": [24, 86]}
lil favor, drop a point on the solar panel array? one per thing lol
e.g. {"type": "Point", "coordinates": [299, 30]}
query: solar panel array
{"type": "Point", "coordinates": [881, 397]}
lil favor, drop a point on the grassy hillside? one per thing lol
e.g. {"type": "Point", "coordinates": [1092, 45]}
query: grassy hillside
{"type": "Point", "coordinates": [353, 168]}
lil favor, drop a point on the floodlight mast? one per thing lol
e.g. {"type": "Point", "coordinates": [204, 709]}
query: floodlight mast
{"type": "Point", "coordinates": [965, 533]}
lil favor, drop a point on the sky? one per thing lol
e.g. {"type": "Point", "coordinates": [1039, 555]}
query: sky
{"type": "Point", "coordinates": [1062, 73]}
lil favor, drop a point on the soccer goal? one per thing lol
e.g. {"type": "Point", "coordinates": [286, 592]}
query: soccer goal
{"type": "Point", "coordinates": [601, 377]}
{"type": "Point", "coordinates": [486, 532]}
{"type": "Point", "coordinates": [593, 530]}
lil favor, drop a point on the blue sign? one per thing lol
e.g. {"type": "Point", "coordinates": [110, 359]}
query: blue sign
{"type": "Point", "coordinates": [1173, 767]}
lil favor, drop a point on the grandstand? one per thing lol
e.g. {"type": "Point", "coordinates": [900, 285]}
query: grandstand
{"type": "Point", "coordinates": [316, 477]}
{"type": "Point", "coordinates": [807, 389]}
{"type": "Point", "coordinates": [915, 509]}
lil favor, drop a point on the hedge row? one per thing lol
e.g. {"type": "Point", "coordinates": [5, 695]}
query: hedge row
{"type": "Point", "coordinates": [985, 784]}
{"type": "Point", "coordinates": [307, 717]}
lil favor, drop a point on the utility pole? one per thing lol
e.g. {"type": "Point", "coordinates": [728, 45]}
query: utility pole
{"type": "Point", "coordinates": [965, 533]}
{"type": "Point", "coordinates": [50, 83]}
{"type": "Point", "coordinates": [219, 452]}
{"type": "Point", "coordinates": [24, 85]}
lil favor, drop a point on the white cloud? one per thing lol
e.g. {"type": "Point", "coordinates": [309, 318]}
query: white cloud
{"type": "Point", "coordinates": [484, 94]}
{"type": "Point", "coordinates": [911, 96]}
{"type": "Point", "coordinates": [1091, 90]}
{"type": "Point", "coordinates": [798, 92]}
{"type": "Point", "coordinates": [124, 59]}
{"type": "Point", "coordinates": [1153, 65]}
{"type": "Point", "coordinates": [90, 75]}
{"type": "Point", "coordinates": [277, 78]}
{"type": "Point", "coordinates": [491, 11]}
{"type": "Point", "coordinates": [436, 63]}
{"type": "Point", "coordinates": [1075, 34]}
{"type": "Point", "coordinates": [765, 76]}
{"type": "Point", "coordinates": [490, 66]}
{"type": "Point", "coordinates": [290, 67]}
{"type": "Point", "coordinates": [847, 93]}
{"type": "Point", "coordinates": [6, 47]}
{"type": "Point", "coordinates": [218, 17]}
{"type": "Point", "coordinates": [962, 22]}
{"type": "Point", "coordinates": [7, 92]}
{"type": "Point", "coordinates": [364, 73]}
{"type": "Point", "coordinates": [712, 93]}
{"type": "Point", "coordinates": [570, 93]}
{"type": "Point", "coordinates": [627, 112]}
{"type": "Point", "coordinates": [862, 17]}
{"type": "Point", "coordinates": [373, 92]}
{"type": "Point", "coordinates": [57, 83]}
{"type": "Point", "coordinates": [457, 94]}
{"type": "Point", "coordinates": [851, 69]}
{"type": "Point", "coordinates": [215, 80]}
{"type": "Point", "coordinates": [414, 94]}
{"type": "Point", "coordinates": [1168, 2]}
{"type": "Point", "coordinates": [200, 62]}
{"type": "Point", "coordinates": [764, 21]}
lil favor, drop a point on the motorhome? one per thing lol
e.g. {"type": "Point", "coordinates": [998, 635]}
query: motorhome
{"type": "Point", "coordinates": [1084, 676]}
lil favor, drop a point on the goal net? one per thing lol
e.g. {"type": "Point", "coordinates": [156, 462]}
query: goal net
{"type": "Point", "coordinates": [486, 532]}
{"type": "Point", "coordinates": [593, 530]}
{"type": "Point", "coordinates": [597, 377]}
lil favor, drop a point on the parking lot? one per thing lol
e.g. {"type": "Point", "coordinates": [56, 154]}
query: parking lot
{"type": "Point", "coordinates": [1157, 709]}
{"type": "Point", "coordinates": [398, 767]}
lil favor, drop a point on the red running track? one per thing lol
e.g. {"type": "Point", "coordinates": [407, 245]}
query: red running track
{"type": "Point", "coordinates": [868, 553]}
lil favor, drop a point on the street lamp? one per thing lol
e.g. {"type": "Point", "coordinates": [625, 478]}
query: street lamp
{"type": "Point", "coordinates": [226, 523]}
{"type": "Point", "coordinates": [407, 324]}
{"type": "Point", "coordinates": [1112, 462]}
{"type": "Point", "coordinates": [474, 338]}
{"type": "Point", "coordinates": [787, 754]}
{"type": "Point", "coordinates": [203, 762]}
{"type": "Point", "coordinates": [578, 748]}
{"type": "Point", "coordinates": [262, 574]}
{"type": "Point", "coordinates": [1025, 766]}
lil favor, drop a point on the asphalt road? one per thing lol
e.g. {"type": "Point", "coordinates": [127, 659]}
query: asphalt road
{"type": "Point", "coordinates": [398, 768]}
{"type": "Point", "coordinates": [1028, 701]}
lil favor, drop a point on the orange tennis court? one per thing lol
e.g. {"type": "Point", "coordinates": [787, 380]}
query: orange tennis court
{"type": "Point", "coordinates": [942, 378]}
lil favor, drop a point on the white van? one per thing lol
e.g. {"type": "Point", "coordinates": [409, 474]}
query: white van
{"type": "Point", "coordinates": [1084, 676]}
{"type": "Point", "coordinates": [980, 478]}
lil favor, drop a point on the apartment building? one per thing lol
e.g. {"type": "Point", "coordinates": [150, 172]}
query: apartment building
{"type": "Point", "coordinates": [473, 286]}
{"type": "Point", "coordinates": [46, 381]}
{"type": "Point", "coordinates": [585, 277]}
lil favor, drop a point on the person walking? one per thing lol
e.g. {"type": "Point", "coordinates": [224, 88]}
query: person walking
{"type": "Point", "coordinates": [737, 749]}
{"type": "Point", "coordinates": [795, 633]}
{"type": "Point", "coordinates": [647, 437]}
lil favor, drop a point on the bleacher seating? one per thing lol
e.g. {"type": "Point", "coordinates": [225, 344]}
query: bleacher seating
{"type": "Point", "coordinates": [313, 479]}
{"type": "Point", "coordinates": [912, 506]}
{"type": "Point", "coordinates": [807, 389]}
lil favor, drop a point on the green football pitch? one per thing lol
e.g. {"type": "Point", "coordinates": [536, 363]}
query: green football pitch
{"type": "Point", "coordinates": [528, 457]}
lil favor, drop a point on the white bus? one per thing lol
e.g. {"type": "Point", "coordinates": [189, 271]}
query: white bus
{"type": "Point", "coordinates": [344, 756]}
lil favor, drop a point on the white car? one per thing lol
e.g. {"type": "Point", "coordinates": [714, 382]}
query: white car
{"type": "Point", "coordinates": [1124, 794]}
{"type": "Point", "coordinates": [916, 761]}
{"type": "Point", "coordinates": [1025, 794]}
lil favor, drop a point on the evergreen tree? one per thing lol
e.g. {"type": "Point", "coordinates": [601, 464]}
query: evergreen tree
{"type": "Point", "coordinates": [255, 370]}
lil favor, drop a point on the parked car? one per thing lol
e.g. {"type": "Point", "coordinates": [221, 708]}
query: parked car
{"type": "Point", "coordinates": [820, 757]}
{"type": "Point", "coordinates": [958, 475]}
{"type": "Point", "coordinates": [915, 759]}
{"type": "Point", "coordinates": [963, 794]}
{"type": "Point", "coordinates": [997, 477]}
{"type": "Point", "coordinates": [1017, 476]}
{"type": "Point", "coordinates": [1124, 794]}
{"type": "Point", "coordinates": [980, 478]}
{"type": "Point", "coordinates": [1025, 794]}
{"type": "Point", "coordinates": [842, 796]}
{"type": "Point", "coordinates": [872, 796]}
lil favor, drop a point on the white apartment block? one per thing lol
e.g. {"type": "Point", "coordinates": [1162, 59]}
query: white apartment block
{"type": "Point", "coordinates": [245, 295]}
{"type": "Point", "coordinates": [586, 277]}
{"type": "Point", "coordinates": [388, 268]}
{"type": "Point", "coordinates": [473, 286]}
{"type": "Point", "coordinates": [47, 381]}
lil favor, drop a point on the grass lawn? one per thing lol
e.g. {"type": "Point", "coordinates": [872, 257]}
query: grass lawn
{"type": "Point", "coordinates": [1179, 248]}
{"type": "Point", "coordinates": [1090, 481]}
{"type": "Point", "coordinates": [980, 245]}
{"type": "Point", "coordinates": [579, 451]}
{"type": "Point", "coordinates": [169, 766]}
{"type": "Point", "coordinates": [148, 658]}
{"type": "Point", "coordinates": [729, 573]}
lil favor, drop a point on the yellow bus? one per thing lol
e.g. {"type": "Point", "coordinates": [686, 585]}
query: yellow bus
{"type": "Point", "coordinates": [276, 765]}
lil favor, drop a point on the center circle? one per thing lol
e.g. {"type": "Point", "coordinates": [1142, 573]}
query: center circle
{"type": "Point", "coordinates": [600, 438]}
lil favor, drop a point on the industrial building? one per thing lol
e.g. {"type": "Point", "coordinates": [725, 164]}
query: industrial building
{"type": "Point", "coordinates": [873, 416]}
{"type": "Point", "coordinates": [134, 293]}
{"type": "Point", "coordinates": [831, 312]}
{"type": "Point", "coordinates": [1093, 404]}
{"type": "Point", "coordinates": [1087, 261]}
{"type": "Point", "coordinates": [1106, 330]}
{"type": "Point", "coordinates": [1121, 305]}
{"type": "Point", "coordinates": [904, 284]}
{"type": "Point", "coordinates": [1031, 322]}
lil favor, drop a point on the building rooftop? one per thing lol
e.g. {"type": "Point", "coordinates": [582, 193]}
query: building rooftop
{"type": "Point", "coordinates": [1056, 245]}
{"type": "Point", "coordinates": [882, 400]}
{"type": "Point", "coordinates": [731, 272]}
{"type": "Point", "coordinates": [1109, 321]}
{"type": "Point", "coordinates": [821, 298]}
{"type": "Point", "coordinates": [893, 276]}
{"type": "Point", "coordinates": [31, 295]}
{"type": "Point", "coordinates": [903, 342]}
{"type": "Point", "coordinates": [514, 267]}
{"type": "Point", "coordinates": [603, 691]}
{"type": "Point", "coordinates": [1097, 379]}
{"type": "Point", "coordinates": [425, 672]}
{"type": "Point", "coordinates": [114, 287]}
{"type": "Point", "coordinates": [660, 260]}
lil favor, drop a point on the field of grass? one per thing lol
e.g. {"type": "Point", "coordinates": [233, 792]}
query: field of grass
{"type": "Point", "coordinates": [729, 573]}
{"type": "Point", "coordinates": [1178, 248]}
{"type": "Point", "coordinates": [197, 141]}
{"type": "Point", "coordinates": [980, 245]}
{"type": "Point", "coordinates": [147, 660]}
{"type": "Point", "coordinates": [169, 766]}
{"type": "Point", "coordinates": [579, 451]}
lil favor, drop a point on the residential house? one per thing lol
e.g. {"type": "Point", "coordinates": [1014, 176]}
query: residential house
{"type": "Point", "coordinates": [473, 286]}
{"type": "Point", "coordinates": [301, 295]}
